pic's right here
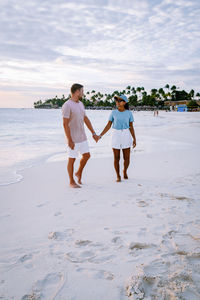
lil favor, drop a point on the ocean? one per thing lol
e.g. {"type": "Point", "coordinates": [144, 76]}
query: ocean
{"type": "Point", "coordinates": [29, 137]}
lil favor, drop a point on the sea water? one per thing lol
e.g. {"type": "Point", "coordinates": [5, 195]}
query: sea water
{"type": "Point", "coordinates": [32, 136]}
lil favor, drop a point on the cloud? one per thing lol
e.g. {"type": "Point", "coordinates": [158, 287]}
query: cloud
{"type": "Point", "coordinates": [105, 44]}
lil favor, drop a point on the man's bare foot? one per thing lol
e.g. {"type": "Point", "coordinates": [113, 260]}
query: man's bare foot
{"type": "Point", "coordinates": [74, 185]}
{"type": "Point", "coordinates": [118, 179]}
{"type": "Point", "coordinates": [78, 177]}
{"type": "Point", "coordinates": [125, 175]}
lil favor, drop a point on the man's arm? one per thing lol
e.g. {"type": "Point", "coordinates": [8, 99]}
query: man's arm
{"type": "Point", "coordinates": [89, 126]}
{"type": "Point", "coordinates": [67, 133]}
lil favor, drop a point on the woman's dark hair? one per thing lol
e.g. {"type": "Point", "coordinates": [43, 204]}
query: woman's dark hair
{"type": "Point", "coordinates": [75, 87]}
{"type": "Point", "coordinates": [126, 106]}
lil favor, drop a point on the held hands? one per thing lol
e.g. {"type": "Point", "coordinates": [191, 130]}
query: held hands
{"type": "Point", "coordinates": [96, 138]}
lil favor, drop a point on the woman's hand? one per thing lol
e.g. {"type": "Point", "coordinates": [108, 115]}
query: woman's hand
{"type": "Point", "coordinates": [134, 143]}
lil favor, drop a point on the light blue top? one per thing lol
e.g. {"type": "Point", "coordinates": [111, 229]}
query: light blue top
{"type": "Point", "coordinates": [121, 119]}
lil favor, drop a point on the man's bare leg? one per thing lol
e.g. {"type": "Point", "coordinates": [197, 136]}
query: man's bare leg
{"type": "Point", "coordinates": [70, 169]}
{"type": "Point", "coordinates": [116, 153]}
{"type": "Point", "coordinates": [126, 155]}
{"type": "Point", "coordinates": [83, 162]}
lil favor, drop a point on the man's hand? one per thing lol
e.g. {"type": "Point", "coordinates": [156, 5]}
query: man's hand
{"type": "Point", "coordinates": [134, 143]}
{"type": "Point", "coordinates": [96, 138]}
{"type": "Point", "coordinates": [71, 144]}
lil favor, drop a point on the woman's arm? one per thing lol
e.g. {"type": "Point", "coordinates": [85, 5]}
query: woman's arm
{"type": "Point", "coordinates": [132, 131]}
{"type": "Point", "coordinates": [109, 124]}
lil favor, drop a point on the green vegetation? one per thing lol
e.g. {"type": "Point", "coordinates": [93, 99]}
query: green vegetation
{"type": "Point", "coordinates": [138, 97]}
{"type": "Point", "coordinates": [192, 105]}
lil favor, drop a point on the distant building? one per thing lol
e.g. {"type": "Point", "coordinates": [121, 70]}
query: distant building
{"type": "Point", "coordinates": [182, 108]}
{"type": "Point", "coordinates": [182, 104]}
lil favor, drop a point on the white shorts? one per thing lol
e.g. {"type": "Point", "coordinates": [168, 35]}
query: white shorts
{"type": "Point", "coordinates": [121, 139]}
{"type": "Point", "coordinates": [81, 148]}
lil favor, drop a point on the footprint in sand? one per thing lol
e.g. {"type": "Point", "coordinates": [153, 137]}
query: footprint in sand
{"type": "Point", "coordinates": [173, 197]}
{"type": "Point", "coordinates": [80, 257]}
{"type": "Point", "coordinates": [90, 256]}
{"type": "Point", "coordinates": [97, 274]}
{"type": "Point", "coordinates": [140, 246]}
{"type": "Point", "coordinates": [117, 240]}
{"type": "Point", "coordinates": [82, 243]}
{"type": "Point", "coordinates": [47, 288]}
{"type": "Point", "coordinates": [102, 259]}
{"type": "Point", "coordinates": [61, 236]}
{"type": "Point", "coordinates": [142, 203]}
{"type": "Point", "coordinates": [42, 204]}
{"type": "Point", "coordinates": [78, 203]}
{"type": "Point", "coordinates": [25, 258]}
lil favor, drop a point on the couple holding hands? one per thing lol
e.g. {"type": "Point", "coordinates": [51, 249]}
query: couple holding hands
{"type": "Point", "coordinates": [74, 118]}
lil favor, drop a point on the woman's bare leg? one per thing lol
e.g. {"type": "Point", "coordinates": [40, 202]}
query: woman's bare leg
{"type": "Point", "coordinates": [126, 155]}
{"type": "Point", "coordinates": [116, 153]}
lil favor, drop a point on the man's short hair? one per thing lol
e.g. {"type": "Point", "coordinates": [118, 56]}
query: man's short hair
{"type": "Point", "coordinates": [75, 87]}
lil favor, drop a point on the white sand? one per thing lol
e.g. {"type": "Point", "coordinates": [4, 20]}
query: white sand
{"type": "Point", "coordinates": [138, 239]}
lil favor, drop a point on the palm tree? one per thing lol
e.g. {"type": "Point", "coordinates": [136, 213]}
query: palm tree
{"type": "Point", "coordinates": [167, 86]}
{"type": "Point", "coordinates": [198, 95]}
{"type": "Point", "coordinates": [162, 93]}
{"type": "Point", "coordinates": [191, 93]}
{"type": "Point", "coordinates": [133, 90]}
{"type": "Point", "coordinates": [153, 92]}
{"type": "Point", "coordinates": [173, 93]}
{"type": "Point", "coordinates": [138, 89]}
{"type": "Point", "coordinates": [168, 92]}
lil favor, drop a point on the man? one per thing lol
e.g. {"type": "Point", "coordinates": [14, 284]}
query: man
{"type": "Point", "coordinates": [74, 117]}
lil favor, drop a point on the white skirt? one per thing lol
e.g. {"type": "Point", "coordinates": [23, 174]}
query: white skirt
{"type": "Point", "coordinates": [121, 139]}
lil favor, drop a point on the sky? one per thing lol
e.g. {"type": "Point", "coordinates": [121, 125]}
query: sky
{"type": "Point", "coordinates": [106, 45]}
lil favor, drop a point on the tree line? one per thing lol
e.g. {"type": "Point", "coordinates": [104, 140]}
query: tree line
{"type": "Point", "coordinates": [136, 96]}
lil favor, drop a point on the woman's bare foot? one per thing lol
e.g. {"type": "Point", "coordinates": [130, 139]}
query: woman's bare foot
{"type": "Point", "coordinates": [125, 175]}
{"type": "Point", "coordinates": [74, 185]}
{"type": "Point", "coordinates": [78, 177]}
{"type": "Point", "coordinates": [118, 179]}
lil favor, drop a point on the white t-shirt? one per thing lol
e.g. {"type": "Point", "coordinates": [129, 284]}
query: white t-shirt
{"type": "Point", "coordinates": [75, 112]}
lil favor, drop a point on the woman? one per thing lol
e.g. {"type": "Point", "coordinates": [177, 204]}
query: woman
{"type": "Point", "coordinates": [123, 136]}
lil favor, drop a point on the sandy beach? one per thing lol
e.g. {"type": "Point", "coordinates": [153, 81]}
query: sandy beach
{"type": "Point", "coordinates": [138, 239]}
